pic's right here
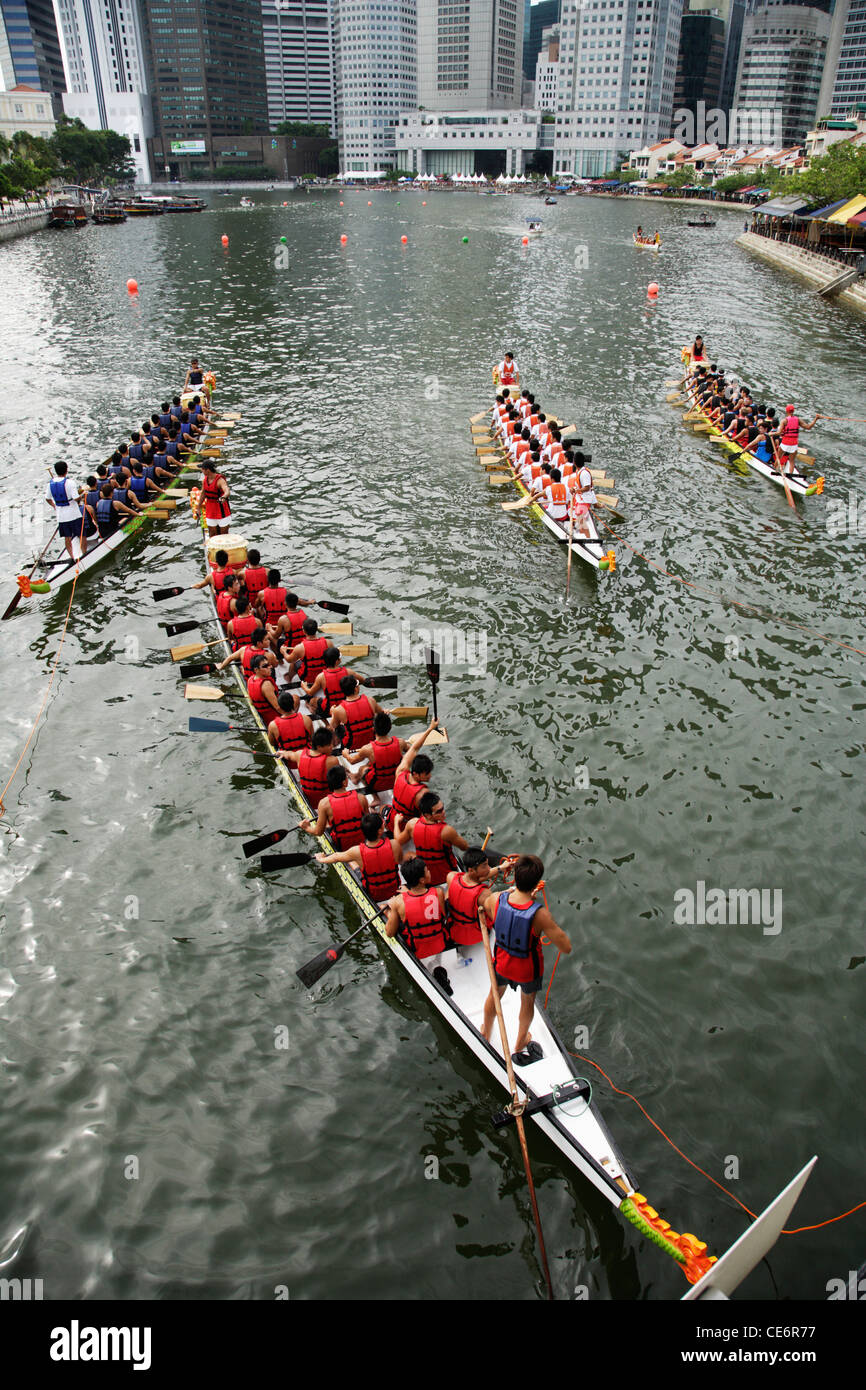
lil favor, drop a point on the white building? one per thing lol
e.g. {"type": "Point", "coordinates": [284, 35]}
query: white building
{"type": "Point", "coordinates": [617, 66]}
{"type": "Point", "coordinates": [470, 54]}
{"type": "Point", "coordinates": [649, 160]}
{"type": "Point", "coordinates": [447, 142]}
{"type": "Point", "coordinates": [375, 78]}
{"type": "Point", "coordinates": [844, 82]}
{"type": "Point", "coordinates": [24, 108]}
{"type": "Point", "coordinates": [547, 71]}
{"type": "Point", "coordinates": [103, 57]}
{"type": "Point", "coordinates": [299, 61]}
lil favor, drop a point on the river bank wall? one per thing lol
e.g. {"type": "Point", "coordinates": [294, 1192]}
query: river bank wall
{"type": "Point", "coordinates": [813, 269]}
{"type": "Point", "coordinates": [21, 223]}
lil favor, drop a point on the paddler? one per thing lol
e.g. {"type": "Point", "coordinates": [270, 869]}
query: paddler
{"type": "Point", "coordinates": [384, 754]}
{"type": "Point", "coordinates": [418, 914]}
{"type": "Point", "coordinates": [468, 891]}
{"type": "Point", "coordinates": [63, 495]}
{"type": "Point", "coordinates": [520, 922]}
{"type": "Point", "coordinates": [215, 495]}
{"type": "Point", "coordinates": [340, 812]}
{"type": "Point", "coordinates": [314, 764]}
{"type": "Point", "coordinates": [434, 839]}
{"type": "Point", "coordinates": [353, 717]}
{"type": "Point", "coordinates": [697, 352]}
{"type": "Point", "coordinates": [505, 373]}
{"type": "Point", "coordinates": [412, 776]}
{"type": "Point", "coordinates": [194, 378]}
{"type": "Point", "coordinates": [261, 689]}
{"type": "Point", "coordinates": [788, 436]}
{"type": "Point", "coordinates": [376, 856]}
{"type": "Point", "coordinates": [583, 497]}
{"type": "Point", "coordinates": [290, 731]}
{"type": "Point", "coordinates": [307, 658]}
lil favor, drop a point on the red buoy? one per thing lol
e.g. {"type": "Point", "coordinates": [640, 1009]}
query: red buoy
{"type": "Point", "coordinates": [132, 286]}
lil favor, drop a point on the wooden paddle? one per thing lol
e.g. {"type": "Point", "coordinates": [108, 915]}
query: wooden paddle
{"type": "Point", "coordinates": [475, 419]}
{"type": "Point", "coordinates": [611, 502]}
{"type": "Point", "coordinates": [497, 479]}
{"type": "Point", "coordinates": [410, 712]}
{"type": "Point", "coordinates": [336, 629]}
{"type": "Point", "coordinates": [322, 963]}
{"type": "Point", "coordinates": [203, 692]}
{"type": "Point", "coordinates": [781, 467]}
{"type": "Point", "coordinates": [353, 653]}
{"type": "Point", "coordinates": [516, 506]}
{"type": "Point", "coordinates": [191, 649]}
{"type": "Point", "coordinates": [18, 596]}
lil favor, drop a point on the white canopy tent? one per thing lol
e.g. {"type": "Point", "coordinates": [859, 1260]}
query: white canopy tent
{"type": "Point", "coordinates": [353, 174]}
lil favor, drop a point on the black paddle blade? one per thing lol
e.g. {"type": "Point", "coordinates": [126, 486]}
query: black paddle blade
{"type": "Point", "coordinates": [251, 847]}
{"type": "Point", "coordinates": [202, 668]}
{"type": "Point", "coordinates": [207, 726]}
{"type": "Point", "coordinates": [12, 606]}
{"type": "Point", "coordinates": [175, 629]}
{"type": "Point", "coordinates": [573, 441]}
{"type": "Point", "coordinates": [159, 594]}
{"type": "Point", "coordinates": [381, 682]}
{"type": "Point", "coordinates": [432, 660]}
{"type": "Point", "coordinates": [269, 862]}
{"type": "Point", "coordinates": [319, 965]}
{"type": "Point", "coordinates": [333, 607]}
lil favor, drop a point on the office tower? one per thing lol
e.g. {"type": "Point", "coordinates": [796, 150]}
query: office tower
{"type": "Point", "coordinates": [470, 54]}
{"type": "Point", "coordinates": [206, 68]}
{"type": "Point", "coordinates": [699, 62]}
{"type": "Point", "coordinates": [844, 83]}
{"type": "Point", "coordinates": [781, 64]}
{"type": "Point", "coordinates": [617, 68]}
{"type": "Point", "coordinates": [540, 17]}
{"type": "Point", "coordinates": [106, 73]}
{"type": "Point", "coordinates": [299, 61]}
{"type": "Point", "coordinates": [375, 77]}
{"type": "Point", "coordinates": [30, 48]}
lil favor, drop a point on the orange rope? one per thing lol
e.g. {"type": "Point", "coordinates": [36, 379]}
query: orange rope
{"type": "Point", "coordinates": [50, 680]}
{"type": "Point", "coordinates": [736, 603]}
{"type": "Point", "coordinates": [798, 1230]}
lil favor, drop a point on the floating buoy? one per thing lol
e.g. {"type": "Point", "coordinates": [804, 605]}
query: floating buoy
{"type": "Point", "coordinates": [466, 238]}
{"type": "Point", "coordinates": [285, 205]}
{"type": "Point", "coordinates": [132, 286]}
{"type": "Point", "coordinates": [224, 239]}
{"type": "Point", "coordinates": [652, 289]}
{"type": "Point", "coordinates": [423, 202]}
{"type": "Point", "coordinates": [405, 240]}
{"type": "Point", "coordinates": [343, 239]}
{"type": "Point", "coordinates": [284, 240]}
{"type": "Point", "coordinates": [526, 241]}
{"type": "Point", "coordinates": [39, 587]}
{"type": "Point", "coordinates": [341, 203]}
{"type": "Point", "coordinates": [398, 202]}
{"type": "Point", "coordinates": [369, 202]}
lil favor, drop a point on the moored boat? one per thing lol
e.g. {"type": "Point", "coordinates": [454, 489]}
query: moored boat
{"type": "Point", "coordinates": [142, 207]}
{"type": "Point", "coordinates": [702, 222]}
{"type": "Point", "coordinates": [108, 214]}
{"type": "Point", "coordinates": [68, 215]}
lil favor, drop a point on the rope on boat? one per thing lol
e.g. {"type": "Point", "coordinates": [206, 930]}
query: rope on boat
{"type": "Point", "coordinates": [51, 677]}
{"type": "Point", "coordinates": [735, 603]}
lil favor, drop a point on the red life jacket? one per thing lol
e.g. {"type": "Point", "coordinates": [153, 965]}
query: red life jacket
{"type": "Point", "coordinates": [386, 759]}
{"type": "Point", "coordinates": [406, 793]}
{"type": "Point", "coordinates": [275, 603]}
{"type": "Point", "coordinates": [259, 699]}
{"type": "Point", "coordinates": [463, 910]}
{"type": "Point", "coordinates": [378, 870]}
{"type": "Point", "coordinates": [297, 617]}
{"type": "Point", "coordinates": [312, 661]}
{"type": "Point", "coordinates": [249, 652]}
{"type": "Point", "coordinates": [224, 611]}
{"type": "Point", "coordinates": [423, 930]}
{"type": "Point", "coordinates": [313, 771]}
{"type": "Point", "coordinates": [255, 578]}
{"type": "Point", "coordinates": [214, 503]}
{"type": "Point", "coordinates": [346, 813]}
{"type": "Point", "coordinates": [243, 628]}
{"type": "Point", "coordinates": [219, 577]}
{"type": "Point", "coordinates": [518, 956]}
{"type": "Point", "coordinates": [790, 430]}
{"type": "Point", "coordinates": [333, 693]}
{"type": "Point", "coordinates": [359, 721]}
{"type": "Point", "coordinates": [291, 731]}
{"type": "Point", "coordinates": [436, 853]}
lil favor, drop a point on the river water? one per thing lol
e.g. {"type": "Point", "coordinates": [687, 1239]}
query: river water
{"type": "Point", "coordinates": [643, 737]}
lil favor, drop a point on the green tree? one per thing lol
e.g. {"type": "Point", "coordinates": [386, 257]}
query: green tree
{"type": "Point", "coordinates": [319, 128]}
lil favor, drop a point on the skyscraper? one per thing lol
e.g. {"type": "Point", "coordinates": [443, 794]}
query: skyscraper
{"type": "Point", "coordinates": [106, 73]}
{"type": "Point", "coordinates": [541, 16]}
{"type": "Point", "coordinates": [700, 61]}
{"type": "Point", "coordinates": [844, 82]}
{"type": "Point", "coordinates": [375, 77]}
{"type": "Point", "coordinates": [31, 48]}
{"type": "Point", "coordinates": [781, 64]}
{"type": "Point", "coordinates": [617, 68]}
{"type": "Point", "coordinates": [470, 54]}
{"type": "Point", "coordinates": [206, 67]}
{"type": "Point", "coordinates": [299, 61]}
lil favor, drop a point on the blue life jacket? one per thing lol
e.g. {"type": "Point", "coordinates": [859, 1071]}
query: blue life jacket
{"type": "Point", "coordinates": [106, 516]}
{"type": "Point", "coordinates": [136, 452]}
{"type": "Point", "coordinates": [57, 488]}
{"type": "Point", "coordinates": [165, 421]}
{"type": "Point", "coordinates": [138, 486]}
{"type": "Point", "coordinates": [763, 451]}
{"type": "Point", "coordinates": [514, 928]}
{"type": "Point", "coordinates": [171, 449]}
